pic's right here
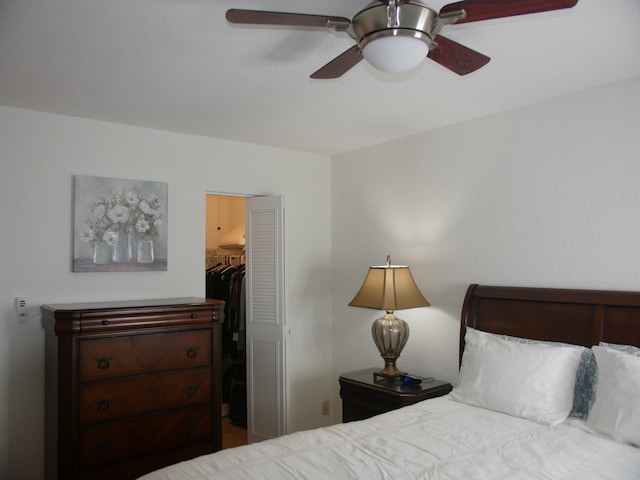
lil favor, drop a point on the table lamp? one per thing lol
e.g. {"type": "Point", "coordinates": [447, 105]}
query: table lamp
{"type": "Point", "coordinates": [389, 287]}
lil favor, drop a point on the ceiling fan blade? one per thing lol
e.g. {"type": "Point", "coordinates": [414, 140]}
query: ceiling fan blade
{"type": "Point", "coordinates": [261, 17]}
{"type": "Point", "coordinates": [457, 58]}
{"type": "Point", "coordinates": [339, 65]}
{"type": "Point", "coordinates": [478, 10]}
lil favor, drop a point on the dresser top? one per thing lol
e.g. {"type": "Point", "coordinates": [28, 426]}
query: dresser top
{"type": "Point", "coordinates": [127, 315]}
{"type": "Point", "coordinates": [158, 302]}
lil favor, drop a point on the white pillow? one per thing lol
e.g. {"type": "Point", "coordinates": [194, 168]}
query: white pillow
{"type": "Point", "coordinates": [533, 381]}
{"type": "Point", "coordinates": [616, 410]}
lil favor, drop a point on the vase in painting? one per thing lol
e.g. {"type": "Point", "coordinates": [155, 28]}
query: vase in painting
{"type": "Point", "coordinates": [101, 253]}
{"type": "Point", "coordinates": [145, 251]}
{"type": "Point", "coordinates": [122, 250]}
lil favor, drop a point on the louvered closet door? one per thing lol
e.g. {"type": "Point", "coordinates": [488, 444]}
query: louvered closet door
{"type": "Point", "coordinates": [266, 399]}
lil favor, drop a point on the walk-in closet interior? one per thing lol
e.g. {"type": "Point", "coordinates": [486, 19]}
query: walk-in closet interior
{"type": "Point", "coordinates": [224, 277]}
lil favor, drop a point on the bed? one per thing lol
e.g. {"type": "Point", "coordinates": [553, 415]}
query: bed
{"type": "Point", "coordinates": [534, 401]}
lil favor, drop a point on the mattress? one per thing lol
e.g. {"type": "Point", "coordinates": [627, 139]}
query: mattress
{"type": "Point", "coordinates": [435, 439]}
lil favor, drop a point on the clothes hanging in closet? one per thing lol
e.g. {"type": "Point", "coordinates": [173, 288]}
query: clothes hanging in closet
{"type": "Point", "coordinates": [226, 282]}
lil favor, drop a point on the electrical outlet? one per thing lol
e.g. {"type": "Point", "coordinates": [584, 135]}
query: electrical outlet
{"type": "Point", "coordinates": [21, 309]}
{"type": "Point", "coordinates": [325, 407]}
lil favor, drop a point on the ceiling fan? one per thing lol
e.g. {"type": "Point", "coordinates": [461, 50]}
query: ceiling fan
{"type": "Point", "coordinates": [396, 35]}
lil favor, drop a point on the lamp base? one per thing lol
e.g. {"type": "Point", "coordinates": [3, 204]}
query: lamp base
{"type": "Point", "coordinates": [390, 371]}
{"type": "Point", "coordinates": [390, 334]}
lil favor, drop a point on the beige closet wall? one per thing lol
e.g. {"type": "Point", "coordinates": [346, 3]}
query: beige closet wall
{"type": "Point", "coordinates": [224, 215]}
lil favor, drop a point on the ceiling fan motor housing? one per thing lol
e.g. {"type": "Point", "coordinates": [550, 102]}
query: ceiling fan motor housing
{"type": "Point", "coordinates": [411, 19]}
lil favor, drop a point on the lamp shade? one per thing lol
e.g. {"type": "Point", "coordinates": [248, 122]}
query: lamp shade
{"type": "Point", "coordinates": [389, 287]}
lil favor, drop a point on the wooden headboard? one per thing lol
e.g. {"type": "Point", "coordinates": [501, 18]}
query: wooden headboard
{"type": "Point", "coordinates": [582, 317]}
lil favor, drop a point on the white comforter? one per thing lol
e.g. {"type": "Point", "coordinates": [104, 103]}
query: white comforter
{"type": "Point", "coordinates": [436, 439]}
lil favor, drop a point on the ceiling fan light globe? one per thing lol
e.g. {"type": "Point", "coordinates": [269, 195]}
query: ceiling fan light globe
{"type": "Point", "coordinates": [395, 54]}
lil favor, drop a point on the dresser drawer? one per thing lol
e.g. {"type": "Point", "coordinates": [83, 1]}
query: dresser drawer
{"type": "Point", "coordinates": [136, 467]}
{"type": "Point", "coordinates": [132, 396]}
{"type": "Point", "coordinates": [115, 441]}
{"type": "Point", "coordinates": [358, 404]}
{"type": "Point", "coordinates": [105, 321]}
{"type": "Point", "coordinates": [136, 354]}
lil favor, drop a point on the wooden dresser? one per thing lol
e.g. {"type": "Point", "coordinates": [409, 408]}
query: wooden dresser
{"type": "Point", "coordinates": [130, 386]}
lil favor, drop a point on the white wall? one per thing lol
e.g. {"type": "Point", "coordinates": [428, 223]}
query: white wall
{"type": "Point", "coordinates": [41, 153]}
{"type": "Point", "coordinates": [547, 195]}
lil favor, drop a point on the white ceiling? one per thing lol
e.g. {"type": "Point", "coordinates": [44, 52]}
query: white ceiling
{"type": "Point", "coordinates": [177, 65]}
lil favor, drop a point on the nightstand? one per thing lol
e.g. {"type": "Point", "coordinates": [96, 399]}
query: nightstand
{"type": "Point", "coordinates": [365, 394]}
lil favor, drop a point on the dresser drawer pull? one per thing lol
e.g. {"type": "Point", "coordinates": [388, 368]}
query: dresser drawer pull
{"type": "Point", "coordinates": [105, 322]}
{"type": "Point", "coordinates": [104, 448]}
{"type": "Point", "coordinates": [193, 428]}
{"type": "Point", "coordinates": [194, 315]}
{"type": "Point", "coordinates": [192, 390]}
{"type": "Point", "coordinates": [104, 405]}
{"type": "Point", "coordinates": [104, 362]}
{"type": "Point", "coordinates": [192, 352]}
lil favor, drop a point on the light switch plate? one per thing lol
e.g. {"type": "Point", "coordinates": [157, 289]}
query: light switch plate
{"type": "Point", "coordinates": [21, 309]}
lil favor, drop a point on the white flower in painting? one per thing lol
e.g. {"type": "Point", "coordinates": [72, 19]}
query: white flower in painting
{"type": "Point", "coordinates": [99, 211]}
{"type": "Point", "coordinates": [144, 206]}
{"type": "Point", "coordinates": [131, 198]}
{"type": "Point", "coordinates": [87, 234]}
{"type": "Point", "coordinates": [110, 237]}
{"type": "Point", "coordinates": [142, 226]}
{"type": "Point", "coordinates": [123, 212]}
{"type": "Point", "coordinates": [119, 214]}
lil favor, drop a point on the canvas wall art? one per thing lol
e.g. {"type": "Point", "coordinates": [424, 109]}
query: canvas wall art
{"type": "Point", "coordinates": [119, 225]}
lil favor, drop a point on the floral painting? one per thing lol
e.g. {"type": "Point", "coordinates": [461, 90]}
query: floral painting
{"type": "Point", "coordinates": [119, 225]}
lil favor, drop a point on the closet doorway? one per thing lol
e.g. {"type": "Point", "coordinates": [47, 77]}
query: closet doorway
{"type": "Point", "coordinates": [254, 324]}
{"type": "Point", "coordinates": [225, 267]}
